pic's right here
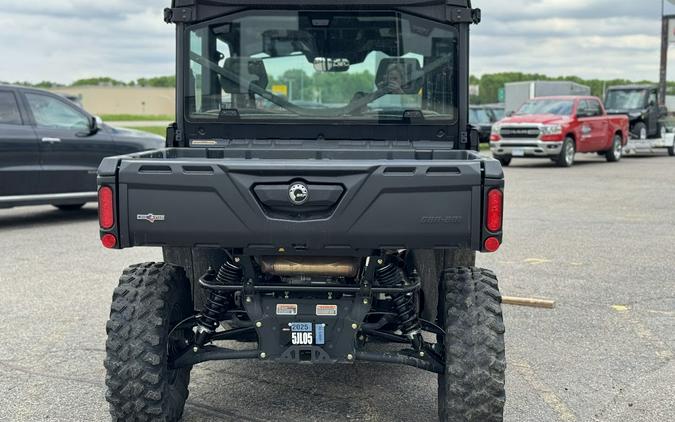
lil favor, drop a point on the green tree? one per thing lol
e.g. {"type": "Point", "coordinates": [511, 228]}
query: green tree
{"type": "Point", "coordinates": [100, 81]}
{"type": "Point", "coordinates": [491, 83]}
{"type": "Point", "coordinates": [158, 82]}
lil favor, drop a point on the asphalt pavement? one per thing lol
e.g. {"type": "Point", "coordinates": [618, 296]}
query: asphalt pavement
{"type": "Point", "coordinates": [598, 238]}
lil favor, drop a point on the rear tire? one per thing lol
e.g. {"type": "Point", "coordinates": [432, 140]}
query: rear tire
{"type": "Point", "coordinates": [505, 161]}
{"type": "Point", "coordinates": [150, 300]}
{"type": "Point", "coordinates": [567, 154]}
{"type": "Point", "coordinates": [614, 155]}
{"type": "Point", "coordinates": [640, 131]}
{"type": "Point", "coordinates": [430, 265]}
{"type": "Point", "coordinates": [69, 207]}
{"type": "Point", "coordinates": [472, 387]}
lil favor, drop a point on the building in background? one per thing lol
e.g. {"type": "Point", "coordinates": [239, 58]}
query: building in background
{"type": "Point", "coordinates": [517, 93]}
{"type": "Point", "coordinates": [144, 101]}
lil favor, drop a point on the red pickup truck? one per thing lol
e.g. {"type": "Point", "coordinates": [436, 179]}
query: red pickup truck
{"type": "Point", "coordinates": [558, 128]}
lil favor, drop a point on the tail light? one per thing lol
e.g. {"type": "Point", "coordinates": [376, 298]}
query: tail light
{"type": "Point", "coordinates": [495, 210]}
{"type": "Point", "coordinates": [109, 241]}
{"type": "Point", "coordinates": [106, 208]}
{"type": "Point", "coordinates": [492, 244]}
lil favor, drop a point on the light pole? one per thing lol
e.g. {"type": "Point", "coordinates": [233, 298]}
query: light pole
{"type": "Point", "coordinates": [665, 36]}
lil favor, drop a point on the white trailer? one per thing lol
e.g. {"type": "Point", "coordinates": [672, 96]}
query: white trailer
{"type": "Point", "coordinates": [636, 145]}
{"type": "Point", "coordinates": [517, 93]}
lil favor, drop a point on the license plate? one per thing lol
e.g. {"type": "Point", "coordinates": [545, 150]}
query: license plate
{"type": "Point", "coordinates": [518, 152]}
{"type": "Point", "coordinates": [299, 333]}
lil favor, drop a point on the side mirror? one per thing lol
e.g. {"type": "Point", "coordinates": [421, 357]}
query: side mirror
{"type": "Point", "coordinates": [95, 125]}
{"type": "Point", "coordinates": [652, 103]}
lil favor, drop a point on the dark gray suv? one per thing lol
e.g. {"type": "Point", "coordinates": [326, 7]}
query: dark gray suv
{"type": "Point", "coordinates": [50, 149]}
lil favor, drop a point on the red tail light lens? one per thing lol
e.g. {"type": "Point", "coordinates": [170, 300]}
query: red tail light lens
{"type": "Point", "coordinates": [106, 213]}
{"type": "Point", "coordinates": [495, 210]}
{"type": "Point", "coordinates": [109, 241]}
{"type": "Point", "coordinates": [492, 244]}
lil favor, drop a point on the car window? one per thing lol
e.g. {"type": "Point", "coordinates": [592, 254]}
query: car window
{"type": "Point", "coordinates": [594, 108]}
{"type": "Point", "coordinates": [9, 109]}
{"type": "Point", "coordinates": [582, 108]}
{"type": "Point", "coordinates": [54, 113]}
{"type": "Point", "coordinates": [652, 97]}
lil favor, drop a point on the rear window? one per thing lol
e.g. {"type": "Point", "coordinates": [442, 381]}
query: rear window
{"type": "Point", "coordinates": [9, 109]}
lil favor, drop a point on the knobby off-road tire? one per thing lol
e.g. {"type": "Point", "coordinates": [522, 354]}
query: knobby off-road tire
{"type": "Point", "coordinates": [150, 300]}
{"type": "Point", "coordinates": [430, 264]}
{"type": "Point", "coordinates": [640, 131]}
{"type": "Point", "coordinates": [472, 386]}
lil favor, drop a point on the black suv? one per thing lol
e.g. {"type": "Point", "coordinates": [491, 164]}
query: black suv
{"type": "Point", "coordinates": [50, 149]}
{"type": "Point", "coordinates": [482, 118]}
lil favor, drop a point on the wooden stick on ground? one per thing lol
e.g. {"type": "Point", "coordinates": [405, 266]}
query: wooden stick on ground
{"type": "Point", "coordinates": [528, 301]}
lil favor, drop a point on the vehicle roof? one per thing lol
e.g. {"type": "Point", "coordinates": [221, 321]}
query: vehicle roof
{"type": "Point", "coordinates": [568, 97]}
{"type": "Point", "coordinates": [332, 3]}
{"type": "Point", "coordinates": [632, 86]}
{"type": "Point", "coordinates": [24, 88]}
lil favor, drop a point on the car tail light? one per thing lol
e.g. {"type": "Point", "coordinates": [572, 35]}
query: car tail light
{"type": "Point", "coordinates": [495, 210]}
{"type": "Point", "coordinates": [492, 244]}
{"type": "Point", "coordinates": [109, 241]}
{"type": "Point", "coordinates": [106, 208]}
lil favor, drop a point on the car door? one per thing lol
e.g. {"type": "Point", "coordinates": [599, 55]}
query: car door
{"type": "Point", "coordinates": [70, 153]}
{"type": "Point", "coordinates": [19, 149]}
{"type": "Point", "coordinates": [585, 130]}
{"type": "Point", "coordinates": [599, 125]}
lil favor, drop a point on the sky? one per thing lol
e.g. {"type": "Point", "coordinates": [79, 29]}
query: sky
{"type": "Point", "coordinates": [66, 40]}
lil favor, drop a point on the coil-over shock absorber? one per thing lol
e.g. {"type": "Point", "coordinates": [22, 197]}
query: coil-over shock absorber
{"type": "Point", "coordinates": [404, 306]}
{"type": "Point", "coordinates": [217, 302]}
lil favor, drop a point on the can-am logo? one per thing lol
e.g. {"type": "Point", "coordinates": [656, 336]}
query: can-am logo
{"type": "Point", "coordinates": [443, 219]}
{"type": "Point", "coordinates": [150, 217]}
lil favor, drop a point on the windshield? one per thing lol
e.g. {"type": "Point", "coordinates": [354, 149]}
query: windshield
{"type": "Point", "coordinates": [479, 116]}
{"type": "Point", "coordinates": [633, 99]}
{"type": "Point", "coordinates": [499, 113]}
{"type": "Point", "coordinates": [554, 107]}
{"type": "Point", "coordinates": [355, 66]}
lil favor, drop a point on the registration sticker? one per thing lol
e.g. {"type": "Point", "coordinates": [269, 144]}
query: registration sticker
{"type": "Point", "coordinates": [326, 310]}
{"type": "Point", "coordinates": [287, 309]}
{"type": "Point", "coordinates": [320, 334]}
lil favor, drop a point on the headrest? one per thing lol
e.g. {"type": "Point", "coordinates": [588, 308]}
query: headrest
{"type": "Point", "coordinates": [247, 69]}
{"type": "Point", "coordinates": [398, 69]}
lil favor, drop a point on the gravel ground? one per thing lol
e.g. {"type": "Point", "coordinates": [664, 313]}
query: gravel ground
{"type": "Point", "coordinates": [597, 238]}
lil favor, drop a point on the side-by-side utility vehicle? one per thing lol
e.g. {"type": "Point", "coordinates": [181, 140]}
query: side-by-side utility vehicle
{"type": "Point", "coordinates": [319, 191]}
{"type": "Point", "coordinates": [641, 104]}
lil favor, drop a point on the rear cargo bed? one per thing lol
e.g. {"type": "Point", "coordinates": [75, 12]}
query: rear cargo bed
{"type": "Point", "coordinates": [361, 197]}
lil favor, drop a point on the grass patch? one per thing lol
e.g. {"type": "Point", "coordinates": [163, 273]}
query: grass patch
{"type": "Point", "coordinates": [157, 130]}
{"type": "Point", "coordinates": [136, 118]}
{"type": "Point", "coordinates": [485, 147]}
